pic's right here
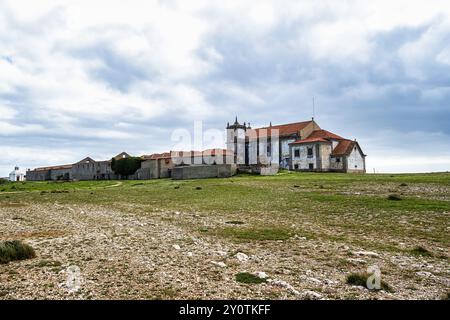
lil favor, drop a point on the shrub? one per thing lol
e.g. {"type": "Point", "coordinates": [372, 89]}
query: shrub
{"type": "Point", "coordinates": [59, 191]}
{"type": "Point", "coordinates": [394, 197]}
{"type": "Point", "coordinates": [245, 277]}
{"type": "Point", "coordinates": [127, 166]}
{"type": "Point", "coordinates": [421, 251]}
{"type": "Point", "coordinates": [15, 250]}
{"type": "Point", "coordinates": [360, 279]}
{"type": "Point", "coordinates": [234, 222]}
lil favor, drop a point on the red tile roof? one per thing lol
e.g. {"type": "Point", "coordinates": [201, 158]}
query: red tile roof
{"type": "Point", "coordinates": [319, 136]}
{"type": "Point", "coordinates": [214, 152]}
{"type": "Point", "coordinates": [310, 140]}
{"type": "Point", "coordinates": [65, 166]}
{"type": "Point", "coordinates": [343, 148]}
{"type": "Point", "coordinates": [156, 156]}
{"type": "Point", "coordinates": [325, 135]}
{"type": "Point", "coordinates": [168, 155]}
{"type": "Point", "coordinates": [284, 129]}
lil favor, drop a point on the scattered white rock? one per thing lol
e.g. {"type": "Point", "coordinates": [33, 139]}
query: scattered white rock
{"type": "Point", "coordinates": [311, 295]}
{"type": "Point", "coordinates": [176, 247]}
{"type": "Point", "coordinates": [357, 261]}
{"type": "Point", "coordinates": [366, 253]}
{"type": "Point", "coordinates": [311, 279]}
{"type": "Point", "coordinates": [222, 253]}
{"type": "Point", "coordinates": [329, 281]}
{"type": "Point", "coordinates": [424, 274]}
{"type": "Point", "coordinates": [190, 254]}
{"type": "Point", "coordinates": [219, 264]}
{"type": "Point", "coordinates": [262, 275]}
{"type": "Point", "coordinates": [242, 257]}
{"type": "Point", "coordinates": [284, 284]}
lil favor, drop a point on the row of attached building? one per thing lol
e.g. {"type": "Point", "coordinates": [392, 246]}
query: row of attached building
{"type": "Point", "coordinates": [154, 166]}
{"type": "Point", "coordinates": [299, 146]}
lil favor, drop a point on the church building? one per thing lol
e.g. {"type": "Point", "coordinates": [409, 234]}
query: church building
{"type": "Point", "coordinates": [299, 146]}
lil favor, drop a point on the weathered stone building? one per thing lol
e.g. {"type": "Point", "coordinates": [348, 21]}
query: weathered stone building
{"type": "Point", "coordinates": [301, 146]}
{"type": "Point", "coordinates": [62, 172]}
{"type": "Point", "coordinates": [86, 169]}
{"type": "Point", "coordinates": [155, 166]}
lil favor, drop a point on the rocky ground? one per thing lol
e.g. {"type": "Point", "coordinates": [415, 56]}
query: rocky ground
{"type": "Point", "coordinates": [121, 255]}
{"type": "Point", "coordinates": [139, 251]}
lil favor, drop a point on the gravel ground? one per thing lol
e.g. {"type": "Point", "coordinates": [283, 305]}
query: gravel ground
{"type": "Point", "coordinates": [101, 252]}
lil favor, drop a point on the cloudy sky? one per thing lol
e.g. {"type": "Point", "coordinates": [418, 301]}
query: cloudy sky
{"type": "Point", "coordinates": [95, 77]}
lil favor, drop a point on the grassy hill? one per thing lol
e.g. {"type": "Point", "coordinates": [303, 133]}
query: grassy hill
{"type": "Point", "coordinates": [294, 226]}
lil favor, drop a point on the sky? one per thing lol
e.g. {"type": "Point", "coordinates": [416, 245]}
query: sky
{"type": "Point", "coordinates": [95, 78]}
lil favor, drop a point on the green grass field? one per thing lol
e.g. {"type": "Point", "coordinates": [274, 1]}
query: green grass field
{"type": "Point", "coordinates": [327, 209]}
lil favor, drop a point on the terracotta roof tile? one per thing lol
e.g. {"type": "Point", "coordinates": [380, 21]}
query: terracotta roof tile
{"type": "Point", "coordinates": [310, 140]}
{"type": "Point", "coordinates": [324, 134]}
{"type": "Point", "coordinates": [284, 129]}
{"type": "Point", "coordinates": [319, 136]}
{"type": "Point", "coordinates": [156, 156]}
{"type": "Point", "coordinates": [65, 166]}
{"type": "Point", "coordinates": [214, 152]}
{"type": "Point", "coordinates": [343, 148]}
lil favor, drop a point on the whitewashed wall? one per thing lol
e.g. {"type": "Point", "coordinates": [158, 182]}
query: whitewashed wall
{"type": "Point", "coordinates": [303, 160]}
{"type": "Point", "coordinates": [355, 161]}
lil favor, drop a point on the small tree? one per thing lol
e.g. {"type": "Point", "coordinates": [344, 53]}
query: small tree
{"type": "Point", "coordinates": [126, 167]}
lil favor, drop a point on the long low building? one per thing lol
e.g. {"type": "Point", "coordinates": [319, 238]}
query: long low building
{"type": "Point", "coordinates": [86, 169]}
{"type": "Point", "coordinates": [154, 166]}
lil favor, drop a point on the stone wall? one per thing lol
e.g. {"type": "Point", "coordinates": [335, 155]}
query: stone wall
{"type": "Point", "coordinates": [61, 174]}
{"type": "Point", "coordinates": [40, 175]}
{"type": "Point", "coordinates": [303, 161]}
{"type": "Point", "coordinates": [203, 171]}
{"type": "Point", "coordinates": [93, 170]}
{"type": "Point", "coordinates": [337, 163]}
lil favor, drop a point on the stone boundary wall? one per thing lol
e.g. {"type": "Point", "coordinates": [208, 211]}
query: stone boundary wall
{"type": "Point", "coordinates": [203, 171]}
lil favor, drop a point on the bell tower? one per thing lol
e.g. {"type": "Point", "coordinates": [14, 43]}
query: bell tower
{"type": "Point", "coordinates": [236, 140]}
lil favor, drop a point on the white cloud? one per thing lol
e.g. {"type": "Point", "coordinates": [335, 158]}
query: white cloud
{"type": "Point", "coordinates": [123, 71]}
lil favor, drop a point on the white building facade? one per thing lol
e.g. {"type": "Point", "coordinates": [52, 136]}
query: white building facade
{"type": "Point", "coordinates": [300, 146]}
{"type": "Point", "coordinates": [16, 175]}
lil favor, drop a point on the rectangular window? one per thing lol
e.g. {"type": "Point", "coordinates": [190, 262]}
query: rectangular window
{"type": "Point", "coordinates": [338, 160]}
{"type": "Point", "coordinates": [310, 152]}
{"type": "Point", "coordinates": [297, 153]}
{"type": "Point", "coordinates": [268, 149]}
{"type": "Point", "coordinates": [311, 166]}
{"type": "Point", "coordinates": [296, 167]}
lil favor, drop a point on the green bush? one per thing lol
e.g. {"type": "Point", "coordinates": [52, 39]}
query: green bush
{"type": "Point", "coordinates": [126, 167]}
{"type": "Point", "coordinates": [360, 279]}
{"type": "Point", "coordinates": [245, 277]}
{"type": "Point", "coordinates": [394, 197]}
{"type": "Point", "coordinates": [421, 251]}
{"type": "Point", "coordinates": [15, 250]}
